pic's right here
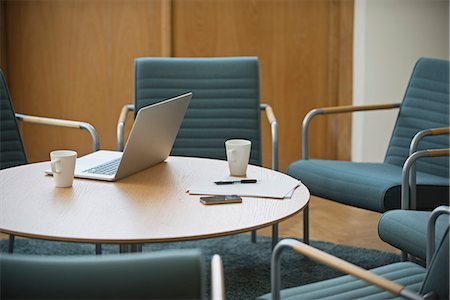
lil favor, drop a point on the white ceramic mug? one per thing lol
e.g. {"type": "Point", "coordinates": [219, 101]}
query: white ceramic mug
{"type": "Point", "coordinates": [238, 155]}
{"type": "Point", "coordinates": [63, 167]}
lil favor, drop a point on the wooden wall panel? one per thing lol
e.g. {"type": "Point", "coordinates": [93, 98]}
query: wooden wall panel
{"type": "Point", "coordinates": [3, 57]}
{"type": "Point", "coordinates": [302, 46]}
{"type": "Point", "coordinates": [75, 60]}
{"type": "Point", "coordinates": [342, 55]}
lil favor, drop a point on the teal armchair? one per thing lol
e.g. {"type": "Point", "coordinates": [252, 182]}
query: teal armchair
{"type": "Point", "coordinates": [402, 280]}
{"type": "Point", "coordinates": [225, 104]}
{"type": "Point", "coordinates": [415, 171]}
{"type": "Point", "coordinates": [174, 274]}
{"type": "Point", "coordinates": [12, 151]}
{"type": "Point", "coordinates": [407, 230]}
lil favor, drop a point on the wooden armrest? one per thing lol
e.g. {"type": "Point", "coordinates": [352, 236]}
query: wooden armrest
{"type": "Point", "coordinates": [274, 130]}
{"type": "Point", "coordinates": [354, 108]}
{"type": "Point", "coordinates": [335, 263]}
{"type": "Point", "coordinates": [63, 123]}
{"type": "Point", "coordinates": [121, 125]}
{"type": "Point", "coordinates": [217, 279]}
{"type": "Point", "coordinates": [334, 110]}
{"type": "Point", "coordinates": [441, 130]}
{"type": "Point", "coordinates": [438, 152]}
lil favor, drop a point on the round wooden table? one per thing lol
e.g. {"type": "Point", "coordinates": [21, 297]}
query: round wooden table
{"type": "Point", "coordinates": [147, 207]}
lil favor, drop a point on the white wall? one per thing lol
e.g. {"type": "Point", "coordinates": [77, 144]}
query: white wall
{"type": "Point", "coordinates": [389, 36]}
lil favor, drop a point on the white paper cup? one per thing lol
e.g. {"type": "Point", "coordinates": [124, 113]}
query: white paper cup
{"type": "Point", "coordinates": [238, 155]}
{"type": "Point", "coordinates": [63, 167]}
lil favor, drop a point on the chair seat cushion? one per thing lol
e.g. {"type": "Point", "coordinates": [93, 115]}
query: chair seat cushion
{"type": "Point", "coordinates": [348, 287]}
{"type": "Point", "coordinates": [407, 230]}
{"type": "Point", "coordinates": [373, 186]}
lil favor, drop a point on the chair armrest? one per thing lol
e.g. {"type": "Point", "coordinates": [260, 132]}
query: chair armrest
{"type": "Point", "coordinates": [121, 125]}
{"type": "Point", "coordinates": [265, 107]}
{"type": "Point", "coordinates": [335, 110]}
{"type": "Point", "coordinates": [431, 226]}
{"type": "Point", "coordinates": [406, 173]}
{"type": "Point", "coordinates": [413, 148]}
{"type": "Point", "coordinates": [217, 279]}
{"type": "Point", "coordinates": [274, 129]}
{"type": "Point", "coordinates": [63, 123]}
{"type": "Point", "coordinates": [335, 263]}
{"type": "Point", "coordinates": [426, 132]}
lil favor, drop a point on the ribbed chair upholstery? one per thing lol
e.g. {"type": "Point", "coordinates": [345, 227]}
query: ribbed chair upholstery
{"type": "Point", "coordinates": [12, 152]}
{"type": "Point", "coordinates": [412, 278]}
{"type": "Point", "coordinates": [172, 274]}
{"type": "Point", "coordinates": [225, 102]}
{"type": "Point", "coordinates": [407, 230]}
{"type": "Point", "coordinates": [377, 186]}
{"type": "Point", "coordinates": [408, 274]}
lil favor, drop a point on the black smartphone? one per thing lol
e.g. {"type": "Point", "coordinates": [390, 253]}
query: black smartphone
{"type": "Point", "coordinates": [220, 199]}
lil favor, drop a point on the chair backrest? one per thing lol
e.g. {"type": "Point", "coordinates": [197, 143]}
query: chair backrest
{"type": "Point", "coordinates": [225, 101]}
{"type": "Point", "coordinates": [437, 278]}
{"type": "Point", "coordinates": [12, 152]}
{"type": "Point", "coordinates": [425, 105]}
{"type": "Point", "coordinates": [171, 274]}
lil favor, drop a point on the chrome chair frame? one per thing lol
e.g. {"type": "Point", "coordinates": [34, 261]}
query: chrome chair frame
{"type": "Point", "coordinates": [431, 230]}
{"type": "Point", "coordinates": [349, 268]}
{"type": "Point", "coordinates": [217, 278]}
{"type": "Point", "coordinates": [408, 189]}
{"type": "Point", "coordinates": [63, 123]}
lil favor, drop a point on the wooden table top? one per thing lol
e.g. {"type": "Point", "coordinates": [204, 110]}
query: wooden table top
{"type": "Point", "coordinates": [149, 206]}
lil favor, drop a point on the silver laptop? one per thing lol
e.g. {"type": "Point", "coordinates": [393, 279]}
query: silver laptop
{"type": "Point", "coordinates": [149, 143]}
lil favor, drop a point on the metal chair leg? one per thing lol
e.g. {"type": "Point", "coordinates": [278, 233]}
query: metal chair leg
{"type": "Point", "coordinates": [130, 248]}
{"type": "Point", "coordinates": [274, 235]}
{"type": "Point", "coordinates": [253, 236]}
{"type": "Point", "coordinates": [98, 249]}
{"type": "Point", "coordinates": [11, 243]}
{"type": "Point", "coordinates": [404, 256]}
{"type": "Point", "coordinates": [124, 248]}
{"type": "Point", "coordinates": [306, 225]}
{"type": "Point", "coordinates": [135, 248]}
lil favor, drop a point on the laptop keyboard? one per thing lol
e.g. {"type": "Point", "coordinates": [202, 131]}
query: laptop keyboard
{"type": "Point", "coordinates": [108, 168]}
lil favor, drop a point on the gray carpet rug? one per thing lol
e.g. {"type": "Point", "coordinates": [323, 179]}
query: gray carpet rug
{"type": "Point", "coordinates": [246, 264]}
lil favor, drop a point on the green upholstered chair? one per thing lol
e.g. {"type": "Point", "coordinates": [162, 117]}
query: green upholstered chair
{"type": "Point", "coordinates": [12, 151]}
{"type": "Point", "coordinates": [407, 229]}
{"type": "Point", "coordinates": [171, 274]}
{"type": "Point", "coordinates": [225, 104]}
{"type": "Point", "coordinates": [403, 280]}
{"type": "Point", "coordinates": [422, 124]}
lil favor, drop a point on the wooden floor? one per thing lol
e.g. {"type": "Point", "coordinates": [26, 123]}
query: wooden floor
{"type": "Point", "coordinates": [336, 223]}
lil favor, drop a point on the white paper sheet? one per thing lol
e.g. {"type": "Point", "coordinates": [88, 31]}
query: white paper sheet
{"type": "Point", "coordinates": [280, 187]}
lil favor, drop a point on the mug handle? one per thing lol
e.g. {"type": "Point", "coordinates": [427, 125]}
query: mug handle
{"type": "Point", "coordinates": [54, 164]}
{"type": "Point", "coordinates": [230, 155]}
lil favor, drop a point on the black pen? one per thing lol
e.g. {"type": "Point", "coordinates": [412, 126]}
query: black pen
{"type": "Point", "coordinates": [235, 181]}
